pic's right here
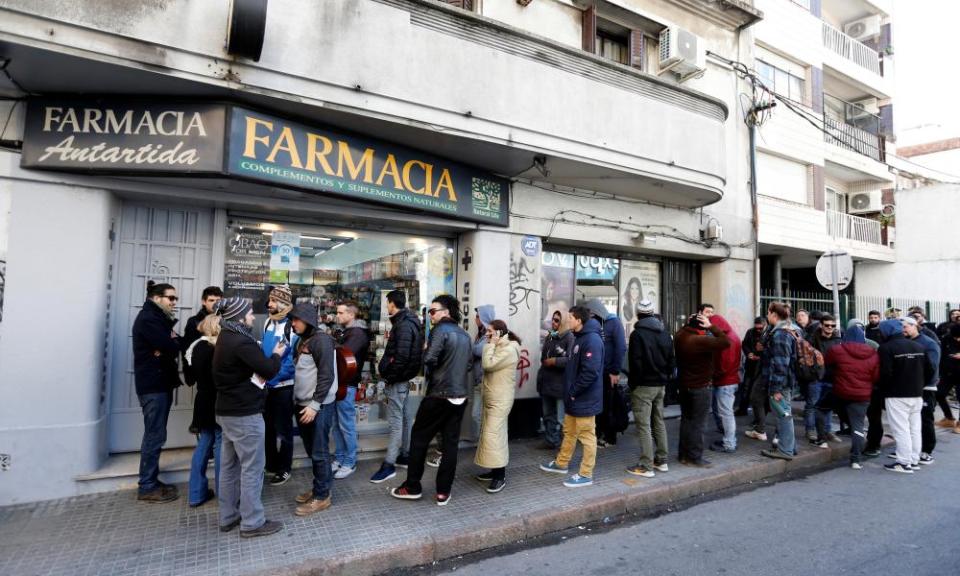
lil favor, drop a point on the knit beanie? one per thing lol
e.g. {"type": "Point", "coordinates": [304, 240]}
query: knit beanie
{"type": "Point", "coordinates": [645, 308]}
{"type": "Point", "coordinates": [282, 294]}
{"type": "Point", "coordinates": [234, 308]}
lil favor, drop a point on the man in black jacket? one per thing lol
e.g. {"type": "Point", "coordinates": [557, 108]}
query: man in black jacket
{"type": "Point", "coordinates": [155, 350]}
{"type": "Point", "coordinates": [208, 301]}
{"type": "Point", "coordinates": [449, 361]}
{"type": "Point", "coordinates": [240, 373]}
{"type": "Point", "coordinates": [904, 370]}
{"type": "Point", "coordinates": [551, 379]}
{"type": "Point", "coordinates": [817, 410]}
{"type": "Point", "coordinates": [401, 361]}
{"type": "Point", "coordinates": [652, 362]}
{"type": "Point", "coordinates": [752, 348]}
{"type": "Point", "coordinates": [353, 336]}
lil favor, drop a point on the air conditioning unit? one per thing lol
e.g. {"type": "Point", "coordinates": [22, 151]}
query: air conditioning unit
{"type": "Point", "coordinates": [860, 109]}
{"type": "Point", "coordinates": [864, 202]}
{"type": "Point", "coordinates": [864, 28]}
{"type": "Point", "coordinates": [681, 52]}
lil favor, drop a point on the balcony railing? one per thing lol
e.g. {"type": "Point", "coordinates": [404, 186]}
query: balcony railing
{"type": "Point", "coordinates": [850, 126]}
{"type": "Point", "coordinates": [853, 50]}
{"type": "Point", "coordinates": [840, 225]}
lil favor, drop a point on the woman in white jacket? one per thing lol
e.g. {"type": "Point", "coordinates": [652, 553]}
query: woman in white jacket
{"type": "Point", "coordinates": [501, 355]}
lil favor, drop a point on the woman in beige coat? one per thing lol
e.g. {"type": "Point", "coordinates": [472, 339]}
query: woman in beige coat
{"type": "Point", "coordinates": [501, 355]}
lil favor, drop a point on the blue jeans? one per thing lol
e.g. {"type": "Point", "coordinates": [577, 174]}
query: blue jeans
{"type": "Point", "coordinates": [817, 421]}
{"type": "Point", "coordinates": [317, 446]}
{"type": "Point", "coordinates": [725, 396]}
{"type": "Point", "coordinates": [552, 420]}
{"type": "Point", "coordinates": [156, 410]}
{"type": "Point", "coordinates": [208, 442]}
{"type": "Point", "coordinates": [788, 442]}
{"type": "Point", "coordinates": [345, 429]}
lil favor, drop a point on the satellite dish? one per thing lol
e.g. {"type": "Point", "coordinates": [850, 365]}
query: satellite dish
{"type": "Point", "coordinates": [888, 210]}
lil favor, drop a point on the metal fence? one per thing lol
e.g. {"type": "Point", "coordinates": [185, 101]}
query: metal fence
{"type": "Point", "coordinates": [857, 306]}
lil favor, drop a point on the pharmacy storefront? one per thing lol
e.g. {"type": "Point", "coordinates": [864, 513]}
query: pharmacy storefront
{"type": "Point", "coordinates": [197, 194]}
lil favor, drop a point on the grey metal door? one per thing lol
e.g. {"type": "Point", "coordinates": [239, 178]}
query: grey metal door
{"type": "Point", "coordinates": [162, 244]}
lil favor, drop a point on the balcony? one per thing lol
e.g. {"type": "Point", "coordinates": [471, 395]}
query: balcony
{"type": "Point", "coordinates": [850, 227]}
{"type": "Point", "coordinates": [853, 50]}
{"type": "Point", "coordinates": [851, 127]}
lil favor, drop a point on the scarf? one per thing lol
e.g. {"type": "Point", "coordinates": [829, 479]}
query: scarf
{"type": "Point", "coordinates": [238, 328]}
{"type": "Point", "coordinates": [188, 355]}
{"type": "Point", "coordinates": [282, 311]}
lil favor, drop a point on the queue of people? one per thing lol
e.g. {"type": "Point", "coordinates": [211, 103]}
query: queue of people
{"type": "Point", "coordinates": [251, 388]}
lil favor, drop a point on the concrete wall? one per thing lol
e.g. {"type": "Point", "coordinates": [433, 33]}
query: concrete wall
{"type": "Point", "coordinates": [927, 264]}
{"type": "Point", "coordinates": [51, 362]}
{"type": "Point", "coordinates": [558, 20]}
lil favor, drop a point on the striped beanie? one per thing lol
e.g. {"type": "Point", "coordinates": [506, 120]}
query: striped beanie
{"type": "Point", "coordinates": [234, 308]}
{"type": "Point", "coordinates": [282, 294]}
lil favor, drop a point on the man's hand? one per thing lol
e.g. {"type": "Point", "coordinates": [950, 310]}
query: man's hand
{"type": "Point", "coordinates": [307, 415]}
{"type": "Point", "coordinates": [704, 321]}
{"type": "Point", "coordinates": [614, 380]}
{"type": "Point", "coordinates": [777, 396]}
{"type": "Point", "coordinates": [550, 362]}
{"type": "Point", "coordinates": [280, 348]}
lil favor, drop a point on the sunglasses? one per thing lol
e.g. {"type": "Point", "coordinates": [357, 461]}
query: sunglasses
{"type": "Point", "coordinates": [433, 311]}
{"type": "Point", "coordinates": [172, 298]}
{"type": "Point", "coordinates": [829, 325]}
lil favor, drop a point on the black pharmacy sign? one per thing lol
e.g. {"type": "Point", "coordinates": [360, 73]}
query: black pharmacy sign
{"type": "Point", "coordinates": [124, 136]}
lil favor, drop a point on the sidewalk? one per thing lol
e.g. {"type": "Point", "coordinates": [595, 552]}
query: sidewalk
{"type": "Point", "coordinates": [366, 531]}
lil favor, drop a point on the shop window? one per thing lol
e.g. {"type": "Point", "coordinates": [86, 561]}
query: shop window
{"type": "Point", "coordinates": [326, 265]}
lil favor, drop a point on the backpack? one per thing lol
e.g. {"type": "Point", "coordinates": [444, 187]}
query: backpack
{"type": "Point", "coordinates": [810, 366]}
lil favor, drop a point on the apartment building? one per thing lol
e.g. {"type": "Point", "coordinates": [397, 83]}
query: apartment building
{"type": "Point", "coordinates": [524, 154]}
{"type": "Point", "coordinates": [823, 181]}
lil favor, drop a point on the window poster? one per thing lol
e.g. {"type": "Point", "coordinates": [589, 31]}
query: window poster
{"type": "Point", "coordinates": [285, 251]}
{"type": "Point", "coordinates": [638, 281]}
{"type": "Point", "coordinates": [557, 288]}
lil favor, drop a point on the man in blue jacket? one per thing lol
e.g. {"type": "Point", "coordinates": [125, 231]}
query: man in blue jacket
{"type": "Point", "coordinates": [278, 415]}
{"type": "Point", "coordinates": [583, 399]}
{"type": "Point", "coordinates": [155, 350]}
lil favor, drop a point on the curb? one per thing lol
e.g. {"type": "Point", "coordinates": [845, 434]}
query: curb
{"type": "Point", "coordinates": [512, 529]}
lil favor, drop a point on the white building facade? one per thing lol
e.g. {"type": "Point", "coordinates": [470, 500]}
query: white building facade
{"type": "Point", "coordinates": [520, 156]}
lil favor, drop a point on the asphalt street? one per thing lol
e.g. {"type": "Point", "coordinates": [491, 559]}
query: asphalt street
{"type": "Point", "coordinates": [840, 521]}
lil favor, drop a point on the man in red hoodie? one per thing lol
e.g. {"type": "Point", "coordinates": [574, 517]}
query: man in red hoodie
{"type": "Point", "coordinates": [856, 370]}
{"type": "Point", "coordinates": [726, 378]}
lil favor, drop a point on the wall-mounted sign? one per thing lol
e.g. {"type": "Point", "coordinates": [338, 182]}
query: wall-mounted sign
{"type": "Point", "coordinates": [129, 137]}
{"type": "Point", "coordinates": [271, 149]}
{"type": "Point", "coordinates": [597, 268]}
{"type": "Point", "coordinates": [124, 136]}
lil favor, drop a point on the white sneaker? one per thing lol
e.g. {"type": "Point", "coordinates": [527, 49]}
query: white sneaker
{"type": "Point", "coordinates": [335, 466]}
{"type": "Point", "coordinates": [761, 436]}
{"type": "Point", "coordinates": [856, 466]}
{"type": "Point", "coordinates": [343, 471]}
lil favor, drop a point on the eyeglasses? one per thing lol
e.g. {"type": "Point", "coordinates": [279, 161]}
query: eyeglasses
{"type": "Point", "coordinates": [433, 311]}
{"type": "Point", "coordinates": [829, 325]}
{"type": "Point", "coordinates": [171, 298]}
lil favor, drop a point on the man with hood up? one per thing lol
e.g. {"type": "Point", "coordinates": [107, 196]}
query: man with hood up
{"type": "Point", "coordinates": [278, 415]}
{"type": "Point", "coordinates": [583, 399]}
{"type": "Point", "coordinates": [856, 369]}
{"type": "Point", "coordinates": [485, 314]}
{"type": "Point", "coordinates": [726, 380]}
{"type": "Point", "coordinates": [904, 370]}
{"type": "Point", "coordinates": [554, 354]}
{"type": "Point", "coordinates": [651, 363]}
{"type": "Point", "coordinates": [614, 351]}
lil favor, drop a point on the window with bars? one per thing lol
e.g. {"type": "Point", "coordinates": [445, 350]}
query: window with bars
{"type": "Point", "coordinates": [783, 83]}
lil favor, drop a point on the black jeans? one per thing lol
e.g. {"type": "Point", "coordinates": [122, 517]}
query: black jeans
{"type": "Point", "coordinates": [694, 407]}
{"type": "Point", "coordinates": [943, 389]}
{"type": "Point", "coordinates": [278, 425]}
{"type": "Point", "coordinates": [855, 412]}
{"type": "Point", "coordinates": [928, 431]}
{"type": "Point", "coordinates": [750, 373]}
{"type": "Point", "coordinates": [435, 415]}
{"type": "Point", "coordinates": [874, 421]}
{"type": "Point", "coordinates": [760, 401]}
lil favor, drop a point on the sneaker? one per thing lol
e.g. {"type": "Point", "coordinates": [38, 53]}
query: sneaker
{"type": "Point", "coordinates": [335, 466]}
{"type": "Point", "coordinates": [279, 479]}
{"type": "Point", "coordinates": [761, 436]}
{"type": "Point", "coordinates": [856, 466]}
{"type": "Point", "coordinates": [719, 447]}
{"type": "Point", "coordinates": [485, 477]}
{"type": "Point", "coordinates": [442, 499]}
{"type": "Point", "coordinates": [957, 429]}
{"type": "Point", "coordinates": [897, 467]}
{"type": "Point", "coordinates": [601, 443]}
{"type": "Point", "coordinates": [267, 528]}
{"type": "Point", "coordinates": [811, 436]}
{"type": "Point", "coordinates": [553, 467]}
{"type": "Point", "coordinates": [158, 496]}
{"type": "Point", "coordinates": [434, 461]}
{"type": "Point", "coordinates": [915, 467]}
{"type": "Point", "coordinates": [661, 467]}
{"type": "Point", "coordinates": [577, 481]}
{"type": "Point", "coordinates": [206, 498]}
{"type": "Point", "coordinates": [892, 455]}
{"type": "Point", "coordinates": [640, 470]}
{"type": "Point", "coordinates": [776, 454]}
{"type": "Point", "coordinates": [402, 462]}
{"type": "Point", "coordinates": [404, 493]}
{"type": "Point", "coordinates": [304, 497]}
{"type": "Point", "coordinates": [945, 423]}
{"type": "Point", "coordinates": [819, 443]}
{"type": "Point", "coordinates": [871, 453]}
{"type": "Point", "coordinates": [344, 471]}
{"type": "Point", "coordinates": [312, 506]}
{"type": "Point", "coordinates": [701, 463]}
{"type": "Point", "coordinates": [229, 527]}
{"type": "Point", "coordinates": [926, 459]}
{"type": "Point", "coordinates": [386, 472]}
{"type": "Point", "coordinates": [496, 485]}
{"type": "Point", "coordinates": [831, 437]}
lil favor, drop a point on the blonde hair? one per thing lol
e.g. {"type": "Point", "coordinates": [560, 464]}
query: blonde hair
{"type": "Point", "coordinates": [210, 326]}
